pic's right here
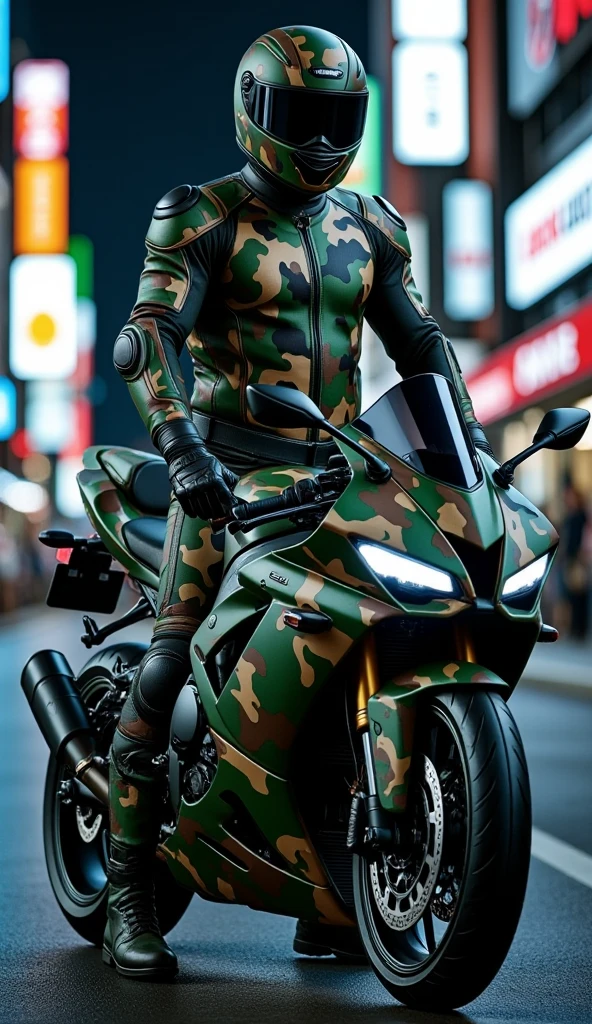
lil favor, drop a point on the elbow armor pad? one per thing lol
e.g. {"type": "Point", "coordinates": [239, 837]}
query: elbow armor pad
{"type": "Point", "coordinates": [130, 353]}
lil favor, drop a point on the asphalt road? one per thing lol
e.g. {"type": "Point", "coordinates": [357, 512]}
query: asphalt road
{"type": "Point", "coordinates": [238, 965]}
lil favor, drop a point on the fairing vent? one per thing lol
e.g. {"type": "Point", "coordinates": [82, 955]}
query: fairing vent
{"type": "Point", "coordinates": [482, 566]}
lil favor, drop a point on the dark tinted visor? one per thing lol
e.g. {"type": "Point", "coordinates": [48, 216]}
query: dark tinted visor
{"type": "Point", "coordinates": [297, 115]}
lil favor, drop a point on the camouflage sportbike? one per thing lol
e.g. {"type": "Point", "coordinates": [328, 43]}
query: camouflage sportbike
{"type": "Point", "coordinates": [343, 750]}
{"type": "Point", "coordinates": [352, 598]}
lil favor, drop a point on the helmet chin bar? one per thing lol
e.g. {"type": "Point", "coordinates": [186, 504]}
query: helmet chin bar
{"type": "Point", "coordinates": [317, 161]}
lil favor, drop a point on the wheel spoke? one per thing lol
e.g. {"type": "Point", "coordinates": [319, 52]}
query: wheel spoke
{"type": "Point", "coordinates": [428, 927]}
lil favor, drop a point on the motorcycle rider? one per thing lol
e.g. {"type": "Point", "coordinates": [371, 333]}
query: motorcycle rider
{"type": "Point", "coordinates": [266, 275]}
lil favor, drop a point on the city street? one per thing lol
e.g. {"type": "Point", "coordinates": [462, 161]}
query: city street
{"type": "Point", "coordinates": [237, 965]}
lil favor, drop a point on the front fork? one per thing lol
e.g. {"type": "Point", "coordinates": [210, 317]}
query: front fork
{"type": "Point", "coordinates": [378, 829]}
{"type": "Point", "coordinates": [376, 833]}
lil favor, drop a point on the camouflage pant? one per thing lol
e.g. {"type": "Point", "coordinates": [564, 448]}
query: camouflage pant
{"type": "Point", "coordinates": [190, 573]}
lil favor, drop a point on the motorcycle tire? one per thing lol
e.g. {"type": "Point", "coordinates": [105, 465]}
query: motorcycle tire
{"type": "Point", "coordinates": [75, 836]}
{"type": "Point", "coordinates": [476, 842]}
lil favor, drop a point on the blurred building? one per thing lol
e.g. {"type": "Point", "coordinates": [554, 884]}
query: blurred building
{"type": "Point", "coordinates": [487, 154]}
{"type": "Point", "coordinates": [544, 215]}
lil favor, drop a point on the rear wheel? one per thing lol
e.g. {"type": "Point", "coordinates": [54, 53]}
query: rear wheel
{"type": "Point", "coordinates": [76, 825]}
{"type": "Point", "coordinates": [438, 912]}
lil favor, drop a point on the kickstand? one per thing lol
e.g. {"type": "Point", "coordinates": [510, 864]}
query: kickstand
{"type": "Point", "coordinates": [93, 636]}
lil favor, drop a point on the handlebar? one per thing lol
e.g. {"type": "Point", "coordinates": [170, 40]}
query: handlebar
{"type": "Point", "coordinates": [302, 497]}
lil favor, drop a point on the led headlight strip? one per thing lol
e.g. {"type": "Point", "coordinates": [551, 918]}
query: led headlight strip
{"type": "Point", "coordinates": [407, 578]}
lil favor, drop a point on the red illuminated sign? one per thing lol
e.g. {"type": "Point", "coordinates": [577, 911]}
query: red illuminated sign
{"type": "Point", "coordinates": [549, 22]}
{"type": "Point", "coordinates": [534, 366]}
{"type": "Point", "coordinates": [41, 97]}
{"type": "Point", "coordinates": [567, 15]}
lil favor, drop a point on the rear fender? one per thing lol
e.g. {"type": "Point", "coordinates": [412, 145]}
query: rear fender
{"type": "Point", "coordinates": [392, 713]}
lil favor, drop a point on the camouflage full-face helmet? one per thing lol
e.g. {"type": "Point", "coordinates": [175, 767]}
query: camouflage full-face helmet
{"type": "Point", "coordinates": [300, 103]}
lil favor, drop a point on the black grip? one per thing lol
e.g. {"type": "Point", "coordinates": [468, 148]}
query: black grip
{"type": "Point", "coordinates": [252, 510]}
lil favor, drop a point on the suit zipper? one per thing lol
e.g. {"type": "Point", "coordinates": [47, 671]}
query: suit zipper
{"type": "Point", "coordinates": [302, 223]}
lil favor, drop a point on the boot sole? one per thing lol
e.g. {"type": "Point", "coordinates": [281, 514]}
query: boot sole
{"type": "Point", "coordinates": [312, 949]}
{"type": "Point", "coordinates": [139, 973]}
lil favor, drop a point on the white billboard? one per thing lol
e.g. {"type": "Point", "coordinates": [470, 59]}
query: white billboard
{"type": "Point", "coordinates": [429, 19]}
{"type": "Point", "coordinates": [467, 228]}
{"type": "Point", "coordinates": [548, 230]}
{"type": "Point", "coordinates": [43, 317]}
{"type": "Point", "coordinates": [430, 103]}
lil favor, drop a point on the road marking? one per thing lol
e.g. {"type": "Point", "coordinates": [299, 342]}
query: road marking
{"type": "Point", "coordinates": [565, 858]}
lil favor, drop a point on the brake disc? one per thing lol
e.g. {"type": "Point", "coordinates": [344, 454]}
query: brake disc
{"type": "Point", "coordinates": [403, 881]}
{"type": "Point", "coordinates": [87, 828]}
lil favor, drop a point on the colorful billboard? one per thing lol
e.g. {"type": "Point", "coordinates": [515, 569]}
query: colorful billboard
{"type": "Point", "coordinates": [42, 335]}
{"type": "Point", "coordinates": [548, 230]}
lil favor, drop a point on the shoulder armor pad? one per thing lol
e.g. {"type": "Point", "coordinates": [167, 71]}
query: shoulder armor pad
{"type": "Point", "coordinates": [347, 198]}
{"type": "Point", "coordinates": [378, 211]}
{"type": "Point", "coordinates": [178, 200]}
{"type": "Point", "coordinates": [187, 212]}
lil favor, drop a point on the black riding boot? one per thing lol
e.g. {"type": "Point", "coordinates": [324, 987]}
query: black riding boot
{"type": "Point", "coordinates": [312, 939]}
{"type": "Point", "coordinates": [133, 943]}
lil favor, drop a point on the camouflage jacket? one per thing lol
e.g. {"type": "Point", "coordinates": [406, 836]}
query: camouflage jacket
{"type": "Point", "coordinates": [260, 296]}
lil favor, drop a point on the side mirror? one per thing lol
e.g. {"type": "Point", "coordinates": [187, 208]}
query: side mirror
{"type": "Point", "coordinates": [567, 427]}
{"type": "Point", "coordinates": [559, 429]}
{"type": "Point", "coordinates": [275, 406]}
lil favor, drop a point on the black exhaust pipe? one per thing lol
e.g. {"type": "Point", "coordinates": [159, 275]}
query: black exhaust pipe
{"type": "Point", "coordinates": [49, 686]}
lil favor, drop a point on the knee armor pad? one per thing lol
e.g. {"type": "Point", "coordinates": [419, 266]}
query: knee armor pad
{"type": "Point", "coordinates": [133, 758]}
{"type": "Point", "coordinates": [130, 353]}
{"type": "Point", "coordinates": [162, 674]}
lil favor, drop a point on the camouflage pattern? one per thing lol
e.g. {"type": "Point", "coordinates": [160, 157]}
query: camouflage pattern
{"type": "Point", "coordinates": [392, 714]}
{"type": "Point", "coordinates": [284, 57]}
{"type": "Point", "coordinates": [258, 715]}
{"type": "Point", "coordinates": [108, 509]}
{"type": "Point", "coordinates": [293, 883]}
{"type": "Point", "coordinates": [260, 329]}
{"type": "Point", "coordinates": [134, 806]}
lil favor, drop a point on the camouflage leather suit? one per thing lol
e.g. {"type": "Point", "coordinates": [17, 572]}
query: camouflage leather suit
{"type": "Point", "coordinates": [273, 298]}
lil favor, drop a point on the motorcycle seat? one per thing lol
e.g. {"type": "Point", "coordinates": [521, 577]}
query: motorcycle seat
{"type": "Point", "coordinates": [144, 538]}
{"type": "Point", "coordinates": [143, 478]}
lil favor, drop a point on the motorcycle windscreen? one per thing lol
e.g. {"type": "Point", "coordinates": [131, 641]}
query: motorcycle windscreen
{"type": "Point", "coordinates": [421, 422]}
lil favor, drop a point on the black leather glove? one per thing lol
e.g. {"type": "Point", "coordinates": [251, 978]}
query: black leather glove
{"type": "Point", "coordinates": [480, 440]}
{"type": "Point", "coordinates": [201, 484]}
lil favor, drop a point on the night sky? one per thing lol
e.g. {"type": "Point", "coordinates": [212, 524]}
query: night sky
{"type": "Point", "coordinates": [151, 108]}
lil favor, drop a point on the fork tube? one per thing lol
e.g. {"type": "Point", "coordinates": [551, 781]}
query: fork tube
{"type": "Point", "coordinates": [369, 682]}
{"type": "Point", "coordinates": [465, 650]}
{"type": "Point", "coordinates": [377, 833]}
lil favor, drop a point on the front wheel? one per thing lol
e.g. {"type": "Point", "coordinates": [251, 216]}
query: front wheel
{"type": "Point", "coordinates": [437, 913]}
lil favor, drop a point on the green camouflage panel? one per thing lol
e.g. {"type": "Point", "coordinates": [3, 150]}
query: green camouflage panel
{"type": "Point", "coordinates": [392, 712]}
{"type": "Point", "coordinates": [386, 514]}
{"type": "Point", "coordinates": [108, 509]}
{"type": "Point", "coordinates": [261, 717]}
{"type": "Point", "coordinates": [474, 516]}
{"type": "Point", "coordinates": [204, 855]}
{"type": "Point", "coordinates": [392, 728]}
{"type": "Point", "coordinates": [289, 57]}
{"type": "Point", "coordinates": [528, 536]}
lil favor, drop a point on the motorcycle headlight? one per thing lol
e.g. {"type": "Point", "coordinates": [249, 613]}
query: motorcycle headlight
{"type": "Point", "coordinates": [521, 590]}
{"type": "Point", "coordinates": [407, 579]}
